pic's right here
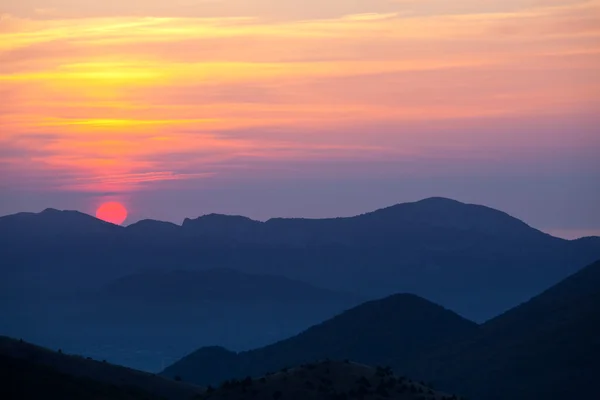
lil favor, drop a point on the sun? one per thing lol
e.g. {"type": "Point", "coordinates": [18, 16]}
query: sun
{"type": "Point", "coordinates": [112, 212]}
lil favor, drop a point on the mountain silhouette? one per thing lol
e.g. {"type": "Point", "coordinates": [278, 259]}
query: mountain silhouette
{"type": "Point", "coordinates": [69, 278]}
{"type": "Point", "coordinates": [225, 226]}
{"type": "Point", "coordinates": [327, 380]}
{"type": "Point", "coordinates": [23, 380]}
{"type": "Point", "coordinates": [406, 222]}
{"type": "Point", "coordinates": [150, 228]}
{"type": "Point", "coordinates": [546, 348]}
{"type": "Point", "coordinates": [470, 258]}
{"type": "Point", "coordinates": [30, 371]}
{"type": "Point", "coordinates": [52, 223]}
{"type": "Point", "coordinates": [407, 218]}
{"type": "Point", "coordinates": [399, 326]}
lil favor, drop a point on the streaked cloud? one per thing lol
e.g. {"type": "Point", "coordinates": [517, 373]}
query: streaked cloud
{"type": "Point", "coordinates": [113, 96]}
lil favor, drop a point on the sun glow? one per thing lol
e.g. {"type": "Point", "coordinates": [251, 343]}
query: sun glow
{"type": "Point", "coordinates": [112, 212]}
{"type": "Point", "coordinates": [102, 98]}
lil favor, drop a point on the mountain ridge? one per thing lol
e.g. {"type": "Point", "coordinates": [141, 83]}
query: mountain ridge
{"type": "Point", "coordinates": [173, 312]}
{"type": "Point", "coordinates": [545, 348]}
{"type": "Point", "coordinates": [442, 249]}
{"type": "Point", "coordinates": [327, 380]}
{"type": "Point", "coordinates": [403, 324]}
{"type": "Point", "coordinates": [99, 371]}
{"type": "Point", "coordinates": [229, 218]}
{"type": "Point", "coordinates": [406, 211]}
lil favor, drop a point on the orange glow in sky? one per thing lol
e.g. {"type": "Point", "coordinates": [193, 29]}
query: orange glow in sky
{"type": "Point", "coordinates": [111, 100]}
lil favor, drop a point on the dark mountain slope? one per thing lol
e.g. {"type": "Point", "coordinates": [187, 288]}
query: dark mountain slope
{"type": "Point", "coordinates": [376, 332]}
{"type": "Point", "coordinates": [387, 225]}
{"type": "Point", "coordinates": [327, 380]}
{"type": "Point", "coordinates": [52, 223]}
{"type": "Point", "coordinates": [33, 371]}
{"type": "Point", "coordinates": [153, 228]}
{"type": "Point", "coordinates": [24, 380]}
{"type": "Point", "coordinates": [547, 348]}
{"type": "Point", "coordinates": [233, 227]}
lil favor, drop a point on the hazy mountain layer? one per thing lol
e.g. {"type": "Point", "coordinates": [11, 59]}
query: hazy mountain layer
{"type": "Point", "coordinates": [546, 348]}
{"type": "Point", "coordinates": [470, 258]}
{"type": "Point", "coordinates": [150, 319]}
{"type": "Point", "coordinates": [399, 327]}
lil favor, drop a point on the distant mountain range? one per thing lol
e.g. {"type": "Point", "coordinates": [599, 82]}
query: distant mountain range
{"type": "Point", "coordinates": [546, 348]}
{"type": "Point", "coordinates": [168, 313]}
{"type": "Point", "coordinates": [402, 221]}
{"type": "Point", "coordinates": [222, 285]}
{"type": "Point", "coordinates": [239, 283]}
{"type": "Point", "coordinates": [161, 287]}
{"type": "Point", "coordinates": [441, 249]}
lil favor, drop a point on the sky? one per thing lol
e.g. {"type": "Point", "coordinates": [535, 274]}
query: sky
{"type": "Point", "coordinates": [309, 108]}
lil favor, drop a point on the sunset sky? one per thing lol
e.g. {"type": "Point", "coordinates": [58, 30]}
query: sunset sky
{"type": "Point", "coordinates": [301, 108]}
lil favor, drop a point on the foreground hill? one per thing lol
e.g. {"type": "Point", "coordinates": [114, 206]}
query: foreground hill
{"type": "Point", "coordinates": [547, 348]}
{"type": "Point", "coordinates": [29, 373]}
{"type": "Point", "coordinates": [327, 380]}
{"type": "Point", "coordinates": [399, 327]}
{"type": "Point", "coordinates": [24, 380]}
{"type": "Point", "coordinates": [32, 372]}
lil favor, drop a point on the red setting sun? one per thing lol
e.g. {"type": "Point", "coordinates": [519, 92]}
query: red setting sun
{"type": "Point", "coordinates": [112, 212]}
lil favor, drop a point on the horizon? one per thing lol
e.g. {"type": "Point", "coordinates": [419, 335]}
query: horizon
{"type": "Point", "coordinates": [265, 108]}
{"type": "Point", "coordinates": [567, 235]}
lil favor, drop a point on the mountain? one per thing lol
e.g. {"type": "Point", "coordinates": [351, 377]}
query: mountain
{"type": "Point", "coordinates": [153, 228]}
{"type": "Point", "coordinates": [40, 249]}
{"type": "Point", "coordinates": [32, 372]}
{"type": "Point", "coordinates": [382, 227]}
{"type": "Point", "coordinates": [216, 306]}
{"type": "Point", "coordinates": [327, 380]}
{"type": "Point", "coordinates": [546, 348]}
{"type": "Point", "coordinates": [26, 380]}
{"type": "Point", "coordinates": [52, 223]}
{"type": "Point", "coordinates": [398, 327]}
{"type": "Point", "coordinates": [146, 319]}
{"type": "Point", "coordinates": [233, 227]}
{"type": "Point", "coordinates": [226, 285]}
{"type": "Point", "coordinates": [470, 258]}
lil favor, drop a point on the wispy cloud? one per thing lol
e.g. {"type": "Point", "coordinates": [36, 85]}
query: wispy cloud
{"type": "Point", "coordinates": [116, 100]}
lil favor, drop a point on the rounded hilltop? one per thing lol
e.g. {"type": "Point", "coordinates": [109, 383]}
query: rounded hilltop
{"type": "Point", "coordinates": [326, 380]}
